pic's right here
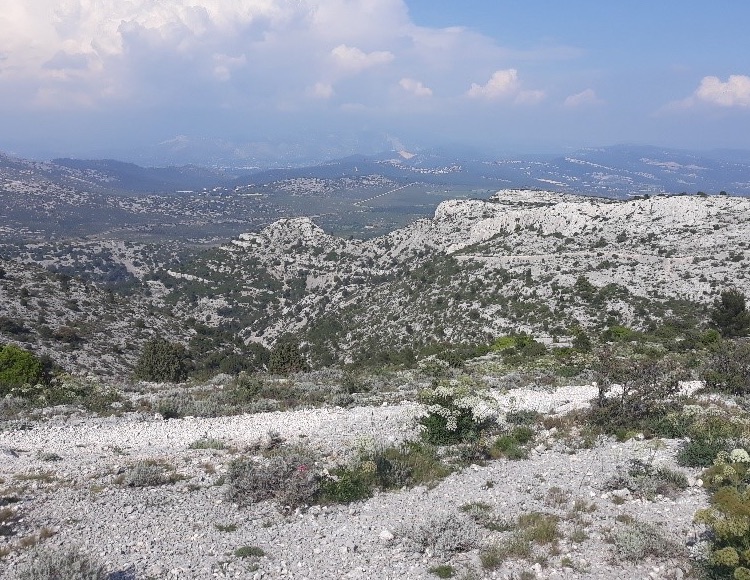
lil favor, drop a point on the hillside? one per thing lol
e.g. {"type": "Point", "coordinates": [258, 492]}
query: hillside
{"type": "Point", "coordinates": [524, 260]}
{"type": "Point", "coordinates": [533, 261]}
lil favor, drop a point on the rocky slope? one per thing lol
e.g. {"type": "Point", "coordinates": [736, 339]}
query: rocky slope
{"type": "Point", "coordinates": [66, 472]}
{"type": "Point", "coordinates": [535, 261]}
{"type": "Point", "coordinates": [524, 260]}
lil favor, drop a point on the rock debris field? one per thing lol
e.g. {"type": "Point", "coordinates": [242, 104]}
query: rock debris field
{"type": "Point", "coordinates": [64, 472]}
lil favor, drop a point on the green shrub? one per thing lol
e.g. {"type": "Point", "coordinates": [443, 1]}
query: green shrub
{"type": "Point", "coordinates": [68, 564]}
{"type": "Point", "coordinates": [286, 358]}
{"type": "Point", "coordinates": [454, 414]}
{"type": "Point", "coordinates": [646, 480]}
{"type": "Point", "coordinates": [18, 367]}
{"type": "Point", "coordinates": [513, 444]}
{"type": "Point", "coordinates": [443, 571]}
{"type": "Point", "coordinates": [728, 368]}
{"type": "Point", "coordinates": [249, 552]}
{"type": "Point", "coordinates": [700, 452]}
{"type": "Point", "coordinates": [207, 443]}
{"type": "Point", "coordinates": [729, 314]}
{"type": "Point", "coordinates": [162, 360]}
{"type": "Point", "coordinates": [728, 517]}
{"type": "Point", "coordinates": [648, 390]}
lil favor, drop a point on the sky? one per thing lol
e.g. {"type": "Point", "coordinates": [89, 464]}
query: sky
{"type": "Point", "coordinates": [91, 77]}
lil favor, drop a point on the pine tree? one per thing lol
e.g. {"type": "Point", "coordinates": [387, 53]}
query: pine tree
{"type": "Point", "coordinates": [729, 315]}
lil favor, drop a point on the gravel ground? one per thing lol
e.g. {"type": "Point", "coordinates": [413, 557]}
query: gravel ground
{"type": "Point", "coordinates": [171, 531]}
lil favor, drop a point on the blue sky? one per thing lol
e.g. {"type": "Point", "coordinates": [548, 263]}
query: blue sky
{"type": "Point", "coordinates": [89, 77]}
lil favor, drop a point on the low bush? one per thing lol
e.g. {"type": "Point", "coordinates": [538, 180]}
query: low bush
{"type": "Point", "coordinates": [144, 474]}
{"type": "Point", "coordinates": [728, 517]}
{"type": "Point", "coordinates": [249, 552]}
{"type": "Point", "coordinates": [647, 391]}
{"type": "Point", "coordinates": [161, 360]}
{"type": "Point", "coordinates": [646, 480]}
{"type": "Point", "coordinates": [446, 533]}
{"type": "Point", "coordinates": [290, 478]}
{"type": "Point", "coordinates": [18, 367]}
{"type": "Point", "coordinates": [728, 368]}
{"type": "Point", "coordinates": [68, 564]}
{"type": "Point", "coordinates": [512, 445]}
{"type": "Point", "coordinates": [636, 541]}
{"type": "Point", "coordinates": [455, 414]}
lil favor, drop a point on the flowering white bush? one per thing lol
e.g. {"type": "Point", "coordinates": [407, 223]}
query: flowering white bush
{"type": "Point", "coordinates": [456, 413]}
{"type": "Point", "coordinates": [739, 456]}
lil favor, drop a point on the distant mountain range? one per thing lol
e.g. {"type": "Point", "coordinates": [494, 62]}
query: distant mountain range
{"type": "Point", "coordinates": [360, 195]}
{"type": "Point", "coordinates": [614, 171]}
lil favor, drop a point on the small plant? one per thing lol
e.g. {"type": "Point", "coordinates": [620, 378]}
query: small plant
{"type": "Point", "coordinates": [557, 497]}
{"type": "Point", "coordinates": [646, 480]}
{"type": "Point", "coordinates": [226, 527]}
{"type": "Point", "coordinates": [512, 445]}
{"type": "Point", "coordinates": [68, 563]}
{"type": "Point", "coordinates": [249, 552]}
{"type": "Point", "coordinates": [539, 527]}
{"type": "Point", "coordinates": [207, 443]}
{"type": "Point", "coordinates": [514, 547]}
{"type": "Point", "coordinates": [482, 514]}
{"type": "Point", "coordinates": [443, 571]}
{"type": "Point", "coordinates": [446, 533]}
{"type": "Point", "coordinates": [636, 541]}
{"type": "Point", "coordinates": [145, 474]}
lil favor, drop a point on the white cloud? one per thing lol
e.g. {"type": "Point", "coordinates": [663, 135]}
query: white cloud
{"type": "Point", "coordinates": [733, 93]}
{"type": "Point", "coordinates": [355, 60]}
{"type": "Point", "coordinates": [587, 97]}
{"type": "Point", "coordinates": [321, 91]}
{"type": "Point", "coordinates": [415, 87]}
{"type": "Point", "coordinates": [504, 84]}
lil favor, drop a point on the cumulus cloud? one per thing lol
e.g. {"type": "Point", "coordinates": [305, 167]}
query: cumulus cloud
{"type": "Point", "coordinates": [355, 60]}
{"type": "Point", "coordinates": [587, 97]}
{"type": "Point", "coordinates": [504, 84]}
{"type": "Point", "coordinates": [415, 87]}
{"type": "Point", "coordinates": [733, 93]}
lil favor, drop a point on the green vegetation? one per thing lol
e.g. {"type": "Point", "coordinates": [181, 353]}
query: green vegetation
{"type": "Point", "coordinates": [249, 552]}
{"type": "Point", "coordinates": [162, 360]}
{"type": "Point", "coordinates": [18, 367]}
{"type": "Point", "coordinates": [286, 358]}
{"type": "Point", "coordinates": [457, 413]}
{"type": "Point", "coordinates": [730, 315]}
{"type": "Point", "coordinates": [728, 517]}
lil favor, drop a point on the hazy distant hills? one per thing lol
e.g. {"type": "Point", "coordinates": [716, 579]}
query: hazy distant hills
{"type": "Point", "coordinates": [359, 195]}
{"type": "Point", "coordinates": [611, 171]}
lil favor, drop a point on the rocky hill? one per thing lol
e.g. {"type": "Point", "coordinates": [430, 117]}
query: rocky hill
{"type": "Point", "coordinates": [524, 260]}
